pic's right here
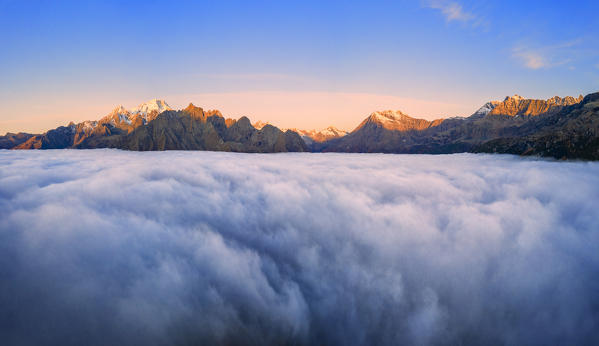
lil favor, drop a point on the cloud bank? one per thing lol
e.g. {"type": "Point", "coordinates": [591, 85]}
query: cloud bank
{"type": "Point", "coordinates": [112, 247]}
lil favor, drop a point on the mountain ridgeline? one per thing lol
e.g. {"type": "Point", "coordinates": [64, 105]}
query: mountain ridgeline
{"type": "Point", "coordinates": [490, 129]}
{"type": "Point", "coordinates": [558, 127]}
{"type": "Point", "coordinates": [155, 126]}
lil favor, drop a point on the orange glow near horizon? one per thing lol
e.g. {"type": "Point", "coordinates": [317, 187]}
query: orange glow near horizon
{"type": "Point", "coordinates": [302, 110]}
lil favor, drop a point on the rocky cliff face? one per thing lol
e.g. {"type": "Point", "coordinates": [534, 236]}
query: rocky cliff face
{"type": "Point", "coordinates": [11, 140]}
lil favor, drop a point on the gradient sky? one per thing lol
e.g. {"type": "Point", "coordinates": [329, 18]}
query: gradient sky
{"type": "Point", "coordinates": [306, 64]}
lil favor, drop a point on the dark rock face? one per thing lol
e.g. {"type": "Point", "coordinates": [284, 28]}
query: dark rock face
{"type": "Point", "coordinates": [60, 137]}
{"type": "Point", "coordinates": [69, 136]}
{"type": "Point", "coordinates": [294, 142]}
{"type": "Point", "coordinates": [11, 140]}
{"type": "Point", "coordinates": [188, 129]}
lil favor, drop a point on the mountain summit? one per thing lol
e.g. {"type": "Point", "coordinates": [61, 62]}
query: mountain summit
{"type": "Point", "coordinates": [393, 120]}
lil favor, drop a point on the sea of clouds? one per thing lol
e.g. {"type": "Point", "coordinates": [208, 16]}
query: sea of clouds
{"type": "Point", "coordinates": [112, 247]}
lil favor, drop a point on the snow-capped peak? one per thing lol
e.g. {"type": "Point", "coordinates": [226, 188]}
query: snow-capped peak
{"type": "Point", "coordinates": [388, 116]}
{"type": "Point", "coordinates": [118, 115]}
{"type": "Point", "coordinates": [154, 105]}
{"type": "Point", "coordinates": [333, 131]}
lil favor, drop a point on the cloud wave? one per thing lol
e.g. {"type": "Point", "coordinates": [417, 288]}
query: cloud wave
{"type": "Point", "coordinates": [113, 247]}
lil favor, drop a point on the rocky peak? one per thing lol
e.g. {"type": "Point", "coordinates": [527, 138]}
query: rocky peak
{"type": "Point", "coordinates": [519, 106]}
{"type": "Point", "coordinates": [566, 101]}
{"type": "Point", "coordinates": [119, 110]}
{"type": "Point", "coordinates": [244, 122]}
{"type": "Point", "coordinates": [195, 112]}
{"type": "Point", "coordinates": [214, 112]}
{"type": "Point", "coordinates": [515, 98]}
{"type": "Point", "coordinates": [485, 109]}
{"type": "Point", "coordinates": [118, 117]}
{"type": "Point", "coordinates": [192, 108]}
{"type": "Point", "coordinates": [259, 124]}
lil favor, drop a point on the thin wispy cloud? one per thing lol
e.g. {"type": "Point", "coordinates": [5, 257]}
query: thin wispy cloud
{"type": "Point", "coordinates": [451, 10]}
{"type": "Point", "coordinates": [529, 58]}
{"type": "Point", "coordinates": [541, 57]}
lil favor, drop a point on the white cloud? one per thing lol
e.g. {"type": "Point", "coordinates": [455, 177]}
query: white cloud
{"type": "Point", "coordinates": [114, 247]}
{"type": "Point", "coordinates": [531, 59]}
{"type": "Point", "coordinates": [451, 10]}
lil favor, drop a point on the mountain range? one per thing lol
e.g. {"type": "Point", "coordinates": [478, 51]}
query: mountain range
{"type": "Point", "coordinates": [312, 137]}
{"type": "Point", "coordinates": [557, 127]}
{"type": "Point", "coordinates": [156, 126]}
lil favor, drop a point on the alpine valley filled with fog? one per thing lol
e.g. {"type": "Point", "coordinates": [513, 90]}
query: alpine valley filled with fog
{"type": "Point", "coordinates": [186, 247]}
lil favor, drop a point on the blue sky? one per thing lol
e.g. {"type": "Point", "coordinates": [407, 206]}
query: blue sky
{"type": "Point", "coordinates": [289, 62]}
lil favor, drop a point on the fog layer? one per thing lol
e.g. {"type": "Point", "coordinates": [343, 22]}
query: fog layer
{"type": "Point", "coordinates": [112, 247]}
